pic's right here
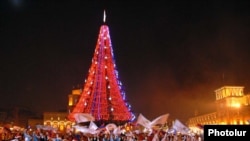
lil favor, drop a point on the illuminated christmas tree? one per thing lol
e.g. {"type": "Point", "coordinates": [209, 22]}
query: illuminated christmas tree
{"type": "Point", "coordinates": [102, 95]}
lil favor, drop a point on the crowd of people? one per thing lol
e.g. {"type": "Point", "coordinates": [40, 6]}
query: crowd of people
{"type": "Point", "coordinates": [142, 130]}
{"type": "Point", "coordinates": [103, 135]}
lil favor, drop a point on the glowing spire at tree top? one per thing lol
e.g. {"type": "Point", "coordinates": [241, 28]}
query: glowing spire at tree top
{"type": "Point", "coordinates": [104, 16]}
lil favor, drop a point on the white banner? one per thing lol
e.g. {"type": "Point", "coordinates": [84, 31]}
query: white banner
{"type": "Point", "coordinates": [83, 117]}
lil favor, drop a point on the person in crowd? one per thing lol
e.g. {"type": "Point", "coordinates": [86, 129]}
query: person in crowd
{"type": "Point", "coordinates": [27, 136]}
{"type": "Point", "coordinates": [35, 136]}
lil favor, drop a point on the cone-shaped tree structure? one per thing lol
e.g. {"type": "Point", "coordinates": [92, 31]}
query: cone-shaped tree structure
{"type": "Point", "coordinates": [103, 96]}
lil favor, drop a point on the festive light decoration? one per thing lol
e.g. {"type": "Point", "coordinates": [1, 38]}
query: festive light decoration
{"type": "Point", "coordinates": [102, 95]}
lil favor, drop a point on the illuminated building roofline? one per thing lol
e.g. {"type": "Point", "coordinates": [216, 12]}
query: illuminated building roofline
{"type": "Point", "coordinates": [224, 87]}
{"type": "Point", "coordinates": [229, 91]}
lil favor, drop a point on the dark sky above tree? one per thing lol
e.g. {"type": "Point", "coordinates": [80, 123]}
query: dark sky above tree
{"type": "Point", "coordinates": [170, 55]}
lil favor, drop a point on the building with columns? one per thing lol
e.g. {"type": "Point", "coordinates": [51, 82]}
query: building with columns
{"type": "Point", "coordinates": [232, 108]}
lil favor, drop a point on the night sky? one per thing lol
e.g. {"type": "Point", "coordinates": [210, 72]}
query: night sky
{"type": "Point", "coordinates": [170, 56]}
